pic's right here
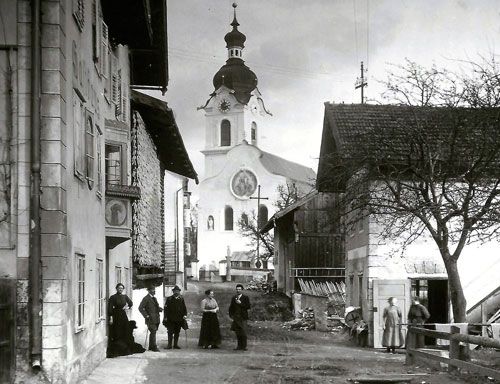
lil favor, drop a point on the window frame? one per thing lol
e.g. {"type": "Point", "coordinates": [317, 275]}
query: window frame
{"type": "Point", "coordinates": [228, 224]}
{"type": "Point", "coordinates": [101, 295]}
{"type": "Point", "coordinates": [78, 137]}
{"type": "Point", "coordinates": [79, 13]}
{"type": "Point", "coordinates": [80, 273]}
{"type": "Point", "coordinates": [90, 150]}
{"type": "Point", "coordinates": [225, 133]}
{"type": "Point", "coordinates": [123, 161]}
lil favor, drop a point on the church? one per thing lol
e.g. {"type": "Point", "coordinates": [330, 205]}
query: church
{"type": "Point", "coordinates": [236, 169]}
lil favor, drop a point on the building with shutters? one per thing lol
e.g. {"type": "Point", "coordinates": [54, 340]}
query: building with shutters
{"type": "Point", "coordinates": [81, 175]}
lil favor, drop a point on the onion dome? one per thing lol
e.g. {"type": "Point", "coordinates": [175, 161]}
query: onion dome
{"type": "Point", "coordinates": [235, 74]}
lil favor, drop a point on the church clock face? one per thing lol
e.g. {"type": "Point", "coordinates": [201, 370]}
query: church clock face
{"type": "Point", "coordinates": [224, 105]}
{"type": "Point", "coordinates": [243, 184]}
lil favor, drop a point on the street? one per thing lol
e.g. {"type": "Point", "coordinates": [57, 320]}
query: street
{"type": "Point", "coordinates": [275, 355]}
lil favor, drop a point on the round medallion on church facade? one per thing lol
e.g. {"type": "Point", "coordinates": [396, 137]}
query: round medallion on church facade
{"type": "Point", "coordinates": [243, 184]}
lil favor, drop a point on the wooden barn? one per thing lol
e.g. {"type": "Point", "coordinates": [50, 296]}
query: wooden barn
{"type": "Point", "coordinates": [309, 245]}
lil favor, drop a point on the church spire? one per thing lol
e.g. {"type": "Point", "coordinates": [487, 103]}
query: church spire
{"type": "Point", "coordinates": [235, 39]}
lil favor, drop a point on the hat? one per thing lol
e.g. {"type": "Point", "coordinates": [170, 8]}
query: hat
{"type": "Point", "coordinates": [176, 288]}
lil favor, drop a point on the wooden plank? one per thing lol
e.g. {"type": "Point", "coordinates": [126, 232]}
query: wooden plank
{"type": "Point", "coordinates": [431, 333]}
{"type": "Point", "coordinates": [458, 363]}
{"type": "Point", "coordinates": [479, 340]}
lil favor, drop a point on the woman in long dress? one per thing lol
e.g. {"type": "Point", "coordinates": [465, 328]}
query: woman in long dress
{"type": "Point", "coordinates": [393, 337]}
{"type": "Point", "coordinates": [417, 314]}
{"type": "Point", "coordinates": [210, 331]}
{"type": "Point", "coordinates": [118, 319]}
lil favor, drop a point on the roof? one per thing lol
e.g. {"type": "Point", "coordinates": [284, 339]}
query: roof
{"type": "Point", "coordinates": [161, 125]}
{"type": "Point", "coordinates": [289, 169]}
{"type": "Point", "coordinates": [292, 207]}
{"type": "Point", "coordinates": [356, 131]}
{"type": "Point", "coordinates": [242, 256]}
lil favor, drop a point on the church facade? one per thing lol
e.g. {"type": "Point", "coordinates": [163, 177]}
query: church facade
{"type": "Point", "coordinates": [235, 166]}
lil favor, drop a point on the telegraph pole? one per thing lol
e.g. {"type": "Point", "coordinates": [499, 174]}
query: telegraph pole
{"type": "Point", "coordinates": [361, 82]}
{"type": "Point", "coordinates": [258, 198]}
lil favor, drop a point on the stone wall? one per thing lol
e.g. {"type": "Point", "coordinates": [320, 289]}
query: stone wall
{"type": "Point", "coordinates": [147, 223]}
{"type": "Point", "coordinates": [319, 304]}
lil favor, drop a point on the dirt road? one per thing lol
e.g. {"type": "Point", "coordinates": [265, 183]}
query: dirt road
{"type": "Point", "coordinates": [275, 355]}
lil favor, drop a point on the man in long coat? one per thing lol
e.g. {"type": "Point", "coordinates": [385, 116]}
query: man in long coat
{"type": "Point", "coordinates": [238, 311]}
{"type": "Point", "coordinates": [150, 309]}
{"type": "Point", "coordinates": [175, 315]}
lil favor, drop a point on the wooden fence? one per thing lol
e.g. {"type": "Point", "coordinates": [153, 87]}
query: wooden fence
{"type": "Point", "coordinates": [456, 358]}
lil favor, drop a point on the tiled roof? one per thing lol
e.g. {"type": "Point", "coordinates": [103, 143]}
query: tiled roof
{"type": "Point", "coordinates": [354, 131]}
{"type": "Point", "coordinates": [287, 168]}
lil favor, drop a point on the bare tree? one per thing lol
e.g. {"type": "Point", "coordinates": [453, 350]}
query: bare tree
{"type": "Point", "coordinates": [287, 194]}
{"type": "Point", "coordinates": [436, 172]}
{"type": "Point", "coordinates": [248, 228]}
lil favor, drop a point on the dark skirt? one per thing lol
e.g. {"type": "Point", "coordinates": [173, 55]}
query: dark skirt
{"type": "Point", "coordinates": [119, 328]}
{"type": "Point", "coordinates": [210, 331]}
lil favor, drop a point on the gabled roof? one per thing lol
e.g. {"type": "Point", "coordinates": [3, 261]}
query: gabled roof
{"type": "Point", "coordinates": [292, 207]}
{"type": "Point", "coordinates": [161, 125]}
{"type": "Point", "coordinates": [355, 131]}
{"type": "Point", "coordinates": [289, 169]}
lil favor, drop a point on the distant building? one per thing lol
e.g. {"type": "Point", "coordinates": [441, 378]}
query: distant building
{"type": "Point", "coordinates": [81, 175]}
{"type": "Point", "coordinates": [372, 273]}
{"type": "Point", "coordinates": [234, 164]}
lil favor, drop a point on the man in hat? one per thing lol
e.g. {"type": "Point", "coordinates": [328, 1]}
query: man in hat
{"type": "Point", "coordinates": [150, 309]}
{"type": "Point", "coordinates": [238, 311]}
{"type": "Point", "coordinates": [175, 314]}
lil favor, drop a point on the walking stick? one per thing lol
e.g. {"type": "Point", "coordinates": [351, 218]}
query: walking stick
{"type": "Point", "coordinates": [186, 336]}
{"type": "Point", "coordinates": [146, 340]}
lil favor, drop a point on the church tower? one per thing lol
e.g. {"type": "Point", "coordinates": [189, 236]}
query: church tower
{"type": "Point", "coordinates": [235, 167]}
{"type": "Point", "coordinates": [235, 111]}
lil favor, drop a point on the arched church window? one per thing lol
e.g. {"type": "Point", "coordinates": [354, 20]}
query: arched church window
{"type": "Point", "coordinates": [225, 133]}
{"type": "Point", "coordinates": [263, 215]}
{"type": "Point", "coordinates": [244, 218]}
{"type": "Point", "coordinates": [228, 218]}
{"type": "Point", "coordinates": [210, 223]}
{"type": "Point", "coordinates": [253, 132]}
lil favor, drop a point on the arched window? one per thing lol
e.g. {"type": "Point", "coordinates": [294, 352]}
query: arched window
{"type": "Point", "coordinates": [228, 218]}
{"type": "Point", "coordinates": [210, 223]}
{"type": "Point", "coordinates": [263, 215]}
{"type": "Point", "coordinates": [225, 133]}
{"type": "Point", "coordinates": [253, 132]}
{"type": "Point", "coordinates": [244, 217]}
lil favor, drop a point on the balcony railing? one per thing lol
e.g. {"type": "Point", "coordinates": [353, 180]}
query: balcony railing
{"type": "Point", "coordinates": [118, 190]}
{"type": "Point", "coordinates": [317, 272]}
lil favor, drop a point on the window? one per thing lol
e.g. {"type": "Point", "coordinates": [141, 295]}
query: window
{"type": "Point", "coordinates": [225, 133]}
{"type": "Point", "coordinates": [80, 281]}
{"type": "Point", "coordinates": [113, 164]}
{"type": "Point", "coordinates": [118, 275]}
{"type": "Point", "coordinates": [101, 300]}
{"type": "Point", "coordinates": [228, 218]}
{"type": "Point", "coordinates": [89, 149]}
{"type": "Point", "coordinates": [210, 223]}
{"type": "Point", "coordinates": [79, 13]}
{"type": "Point", "coordinates": [244, 218]}
{"type": "Point", "coordinates": [263, 215]}
{"type": "Point", "coordinates": [96, 33]}
{"type": "Point", "coordinates": [78, 116]}
{"type": "Point", "coordinates": [253, 133]}
{"type": "Point", "coordinates": [127, 282]}
{"type": "Point", "coordinates": [99, 160]}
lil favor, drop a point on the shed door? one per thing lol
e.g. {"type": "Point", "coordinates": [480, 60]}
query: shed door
{"type": "Point", "coordinates": [7, 295]}
{"type": "Point", "coordinates": [382, 290]}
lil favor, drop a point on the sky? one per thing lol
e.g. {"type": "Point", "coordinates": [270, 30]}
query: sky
{"type": "Point", "coordinates": [308, 52]}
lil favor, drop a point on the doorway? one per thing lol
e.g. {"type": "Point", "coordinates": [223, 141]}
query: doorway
{"type": "Point", "coordinates": [433, 294]}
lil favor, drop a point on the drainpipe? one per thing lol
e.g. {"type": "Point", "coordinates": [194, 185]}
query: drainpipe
{"type": "Point", "coordinates": [35, 300]}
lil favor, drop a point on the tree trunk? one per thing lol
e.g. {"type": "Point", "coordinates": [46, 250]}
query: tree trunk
{"type": "Point", "coordinates": [456, 292]}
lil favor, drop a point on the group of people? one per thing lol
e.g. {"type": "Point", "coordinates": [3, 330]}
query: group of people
{"type": "Point", "coordinates": [174, 319]}
{"type": "Point", "coordinates": [393, 336]}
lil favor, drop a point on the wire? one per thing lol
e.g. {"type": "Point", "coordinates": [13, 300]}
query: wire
{"type": "Point", "coordinates": [355, 30]}
{"type": "Point", "coordinates": [367, 33]}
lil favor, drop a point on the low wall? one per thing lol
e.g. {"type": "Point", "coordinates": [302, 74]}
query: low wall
{"type": "Point", "coordinates": [319, 304]}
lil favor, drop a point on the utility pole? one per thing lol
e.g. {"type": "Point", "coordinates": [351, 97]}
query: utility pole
{"type": "Point", "coordinates": [258, 198]}
{"type": "Point", "coordinates": [361, 82]}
